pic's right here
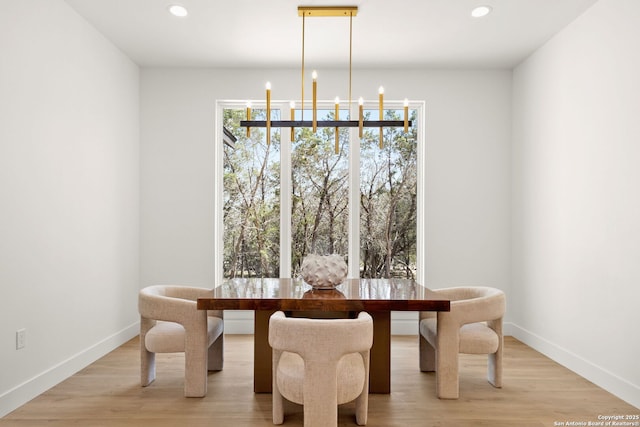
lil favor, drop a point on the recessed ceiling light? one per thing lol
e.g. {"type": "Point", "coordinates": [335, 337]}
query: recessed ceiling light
{"type": "Point", "coordinates": [481, 11]}
{"type": "Point", "coordinates": [178, 10]}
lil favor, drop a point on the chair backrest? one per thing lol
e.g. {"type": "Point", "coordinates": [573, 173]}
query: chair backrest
{"type": "Point", "coordinates": [171, 303]}
{"type": "Point", "coordinates": [471, 304]}
{"type": "Point", "coordinates": [338, 336]}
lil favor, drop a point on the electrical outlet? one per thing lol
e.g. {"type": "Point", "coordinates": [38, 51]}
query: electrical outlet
{"type": "Point", "coordinates": [21, 338]}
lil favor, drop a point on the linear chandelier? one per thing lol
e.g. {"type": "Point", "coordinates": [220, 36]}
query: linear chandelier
{"type": "Point", "coordinates": [326, 11]}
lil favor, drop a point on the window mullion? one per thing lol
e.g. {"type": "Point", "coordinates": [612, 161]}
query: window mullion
{"type": "Point", "coordinates": [285, 199]}
{"type": "Point", "coordinates": [354, 198]}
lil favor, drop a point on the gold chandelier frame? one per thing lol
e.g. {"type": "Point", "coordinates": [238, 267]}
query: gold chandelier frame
{"type": "Point", "coordinates": [325, 11]}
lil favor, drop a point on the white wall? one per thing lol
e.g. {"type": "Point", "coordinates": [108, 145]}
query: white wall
{"type": "Point", "coordinates": [466, 169]}
{"type": "Point", "coordinates": [576, 199]}
{"type": "Point", "coordinates": [69, 196]}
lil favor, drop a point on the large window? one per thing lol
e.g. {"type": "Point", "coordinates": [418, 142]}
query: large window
{"type": "Point", "coordinates": [297, 195]}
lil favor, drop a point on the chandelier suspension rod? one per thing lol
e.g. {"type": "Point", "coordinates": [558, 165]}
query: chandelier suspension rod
{"type": "Point", "coordinates": [302, 76]}
{"type": "Point", "coordinates": [350, 56]}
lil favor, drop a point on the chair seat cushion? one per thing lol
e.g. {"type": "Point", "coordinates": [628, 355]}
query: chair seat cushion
{"type": "Point", "coordinates": [290, 377]}
{"type": "Point", "coordinates": [168, 337]}
{"type": "Point", "coordinates": [475, 338]}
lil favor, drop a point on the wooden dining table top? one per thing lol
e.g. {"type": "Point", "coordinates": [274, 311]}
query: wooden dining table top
{"type": "Point", "coordinates": [295, 294]}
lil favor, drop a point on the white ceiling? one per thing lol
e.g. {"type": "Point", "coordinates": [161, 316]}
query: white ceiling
{"type": "Point", "coordinates": [268, 33]}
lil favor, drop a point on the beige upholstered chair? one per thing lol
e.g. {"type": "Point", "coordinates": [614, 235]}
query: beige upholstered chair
{"type": "Point", "coordinates": [320, 364]}
{"type": "Point", "coordinates": [171, 323]}
{"type": "Point", "coordinates": [473, 326]}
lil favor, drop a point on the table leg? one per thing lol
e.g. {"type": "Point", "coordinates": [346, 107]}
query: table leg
{"type": "Point", "coordinates": [380, 365]}
{"type": "Point", "coordinates": [261, 352]}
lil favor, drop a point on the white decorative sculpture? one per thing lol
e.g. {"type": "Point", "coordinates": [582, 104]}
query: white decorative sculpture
{"type": "Point", "coordinates": [324, 271]}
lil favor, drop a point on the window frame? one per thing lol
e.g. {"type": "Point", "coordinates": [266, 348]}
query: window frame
{"type": "Point", "coordinates": [286, 185]}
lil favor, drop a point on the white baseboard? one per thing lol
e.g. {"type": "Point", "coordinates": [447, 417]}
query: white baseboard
{"type": "Point", "coordinates": [238, 322]}
{"type": "Point", "coordinates": [21, 394]}
{"type": "Point", "coordinates": [620, 387]}
{"type": "Point", "coordinates": [404, 323]}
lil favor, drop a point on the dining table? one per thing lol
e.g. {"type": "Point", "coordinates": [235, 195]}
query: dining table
{"type": "Point", "coordinates": [378, 297]}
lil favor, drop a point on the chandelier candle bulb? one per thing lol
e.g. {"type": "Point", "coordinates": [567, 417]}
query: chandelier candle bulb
{"type": "Point", "coordinates": [406, 115]}
{"type": "Point", "coordinates": [314, 76]}
{"type": "Point", "coordinates": [360, 116]}
{"type": "Point", "coordinates": [248, 118]}
{"type": "Point", "coordinates": [381, 113]}
{"type": "Point", "coordinates": [336, 118]}
{"type": "Point", "coordinates": [268, 86]}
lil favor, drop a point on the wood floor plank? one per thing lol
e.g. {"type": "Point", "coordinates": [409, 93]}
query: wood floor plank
{"type": "Point", "coordinates": [537, 392]}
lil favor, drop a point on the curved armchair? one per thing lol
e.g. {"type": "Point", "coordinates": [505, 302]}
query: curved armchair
{"type": "Point", "coordinates": [473, 326]}
{"type": "Point", "coordinates": [320, 364]}
{"type": "Point", "coordinates": [171, 323]}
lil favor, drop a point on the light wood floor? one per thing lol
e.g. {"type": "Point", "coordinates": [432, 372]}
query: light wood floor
{"type": "Point", "coordinates": [537, 392]}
